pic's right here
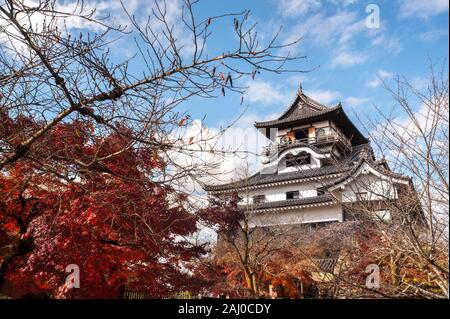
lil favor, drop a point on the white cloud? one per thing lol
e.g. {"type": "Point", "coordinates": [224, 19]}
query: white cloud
{"type": "Point", "coordinates": [420, 83]}
{"type": "Point", "coordinates": [391, 43]}
{"type": "Point", "coordinates": [378, 79]}
{"type": "Point", "coordinates": [351, 30]}
{"type": "Point", "coordinates": [325, 31]}
{"type": "Point", "coordinates": [344, 2]}
{"type": "Point", "coordinates": [109, 12]}
{"type": "Point", "coordinates": [249, 119]}
{"type": "Point", "coordinates": [384, 73]}
{"type": "Point", "coordinates": [223, 154]}
{"type": "Point", "coordinates": [341, 26]}
{"type": "Point", "coordinates": [422, 9]}
{"type": "Point", "coordinates": [340, 33]}
{"type": "Point", "coordinates": [346, 58]}
{"type": "Point", "coordinates": [297, 7]}
{"type": "Point", "coordinates": [355, 101]}
{"type": "Point", "coordinates": [302, 7]}
{"type": "Point", "coordinates": [324, 96]}
{"type": "Point", "coordinates": [101, 10]}
{"type": "Point", "coordinates": [433, 35]}
{"type": "Point", "coordinates": [263, 92]}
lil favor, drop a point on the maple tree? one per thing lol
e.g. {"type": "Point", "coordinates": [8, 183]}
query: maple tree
{"type": "Point", "coordinates": [118, 231]}
{"type": "Point", "coordinates": [93, 159]}
{"type": "Point", "coordinates": [247, 259]}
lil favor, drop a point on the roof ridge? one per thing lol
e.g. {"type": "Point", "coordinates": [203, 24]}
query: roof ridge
{"type": "Point", "coordinates": [370, 162]}
{"type": "Point", "coordinates": [319, 105]}
{"type": "Point", "coordinates": [285, 120]}
{"type": "Point", "coordinates": [282, 177]}
{"type": "Point", "coordinates": [292, 202]}
{"type": "Point", "coordinates": [300, 95]}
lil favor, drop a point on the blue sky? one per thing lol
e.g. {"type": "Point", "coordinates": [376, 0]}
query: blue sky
{"type": "Point", "coordinates": [347, 58]}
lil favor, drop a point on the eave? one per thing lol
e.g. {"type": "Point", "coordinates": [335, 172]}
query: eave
{"type": "Point", "coordinates": [353, 173]}
{"type": "Point", "coordinates": [290, 204]}
{"type": "Point", "coordinates": [286, 179]}
{"type": "Point", "coordinates": [335, 114]}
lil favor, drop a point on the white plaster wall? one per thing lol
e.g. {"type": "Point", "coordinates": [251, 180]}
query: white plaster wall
{"type": "Point", "coordinates": [375, 187]}
{"type": "Point", "coordinates": [277, 193]}
{"type": "Point", "coordinates": [297, 216]}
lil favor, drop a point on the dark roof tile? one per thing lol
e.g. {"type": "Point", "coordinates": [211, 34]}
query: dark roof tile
{"type": "Point", "coordinates": [304, 110]}
{"type": "Point", "coordinates": [260, 179]}
{"type": "Point", "coordinates": [345, 166]}
{"type": "Point", "coordinates": [325, 264]}
{"type": "Point", "coordinates": [291, 202]}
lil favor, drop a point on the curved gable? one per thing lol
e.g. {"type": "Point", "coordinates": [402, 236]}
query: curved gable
{"type": "Point", "coordinates": [364, 168]}
{"type": "Point", "coordinates": [297, 150]}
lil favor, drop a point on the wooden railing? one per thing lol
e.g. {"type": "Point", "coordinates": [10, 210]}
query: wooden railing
{"type": "Point", "coordinates": [331, 137]}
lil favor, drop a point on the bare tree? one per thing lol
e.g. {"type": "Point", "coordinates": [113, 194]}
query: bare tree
{"type": "Point", "coordinates": [396, 215]}
{"type": "Point", "coordinates": [416, 143]}
{"type": "Point", "coordinates": [260, 256]}
{"type": "Point", "coordinates": [403, 218]}
{"type": "Point", "coordinates": [61, 80]}
{"type": "Point", "coordinates": [51, 75]}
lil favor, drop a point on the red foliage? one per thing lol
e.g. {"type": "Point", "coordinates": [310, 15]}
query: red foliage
{"type": "Point", "coordinates": [225, 271]}
{"type": "Point", "coordinates": [223, 214]}
{"type": "Point", "coordinates": [118, 230]}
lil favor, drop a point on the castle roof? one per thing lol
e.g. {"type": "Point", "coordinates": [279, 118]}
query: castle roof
{"type": "Point", "coordinates": [304, 110]}
{"type": "Point", "coordinates": [343, 170]}
{"type": "Point", "coordinates": [259, 179]}
{"type": "Point", "coordinates": [293, 203]}
{"type": "Point", "coordinates": [337, 169]}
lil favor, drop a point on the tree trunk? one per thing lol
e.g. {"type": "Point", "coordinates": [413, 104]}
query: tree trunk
{"type": "Point", "coordinates": [251, 281]}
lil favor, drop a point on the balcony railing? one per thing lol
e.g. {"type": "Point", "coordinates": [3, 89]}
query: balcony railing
{"type": "Point", "coordinates": [332, 136]}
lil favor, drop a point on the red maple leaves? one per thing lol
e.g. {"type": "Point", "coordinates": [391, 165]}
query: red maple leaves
{"type": "Point", "coordinates": [109, 218]}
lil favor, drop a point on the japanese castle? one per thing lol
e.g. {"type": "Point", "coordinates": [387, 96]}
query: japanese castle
{"type": "Point", "coordinates": [317, 165]}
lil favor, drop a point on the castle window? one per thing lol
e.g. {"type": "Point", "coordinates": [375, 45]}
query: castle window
{"type": "Point", "coordinates": [293, 195]}
{"type": "Point", "coordinates": [302, 158]}
{"type": "Point", "coordinates": [257, 199]}
{"type": "Point", "coordinates": [301, 134]}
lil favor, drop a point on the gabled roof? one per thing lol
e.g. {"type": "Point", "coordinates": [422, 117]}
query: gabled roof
{"type": "Point", "coordinates": [302, 107]}
{"type": "Point", "coordinates": [257, 179]}
{"type": "Point", "coordinates": [304, 110]}
{"type": "Point", "coordinates": [320, 199]}
{"type": "Point", "coordinates": [265, 179]}
{"type": "Point", "coordinates": [378, 167]}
